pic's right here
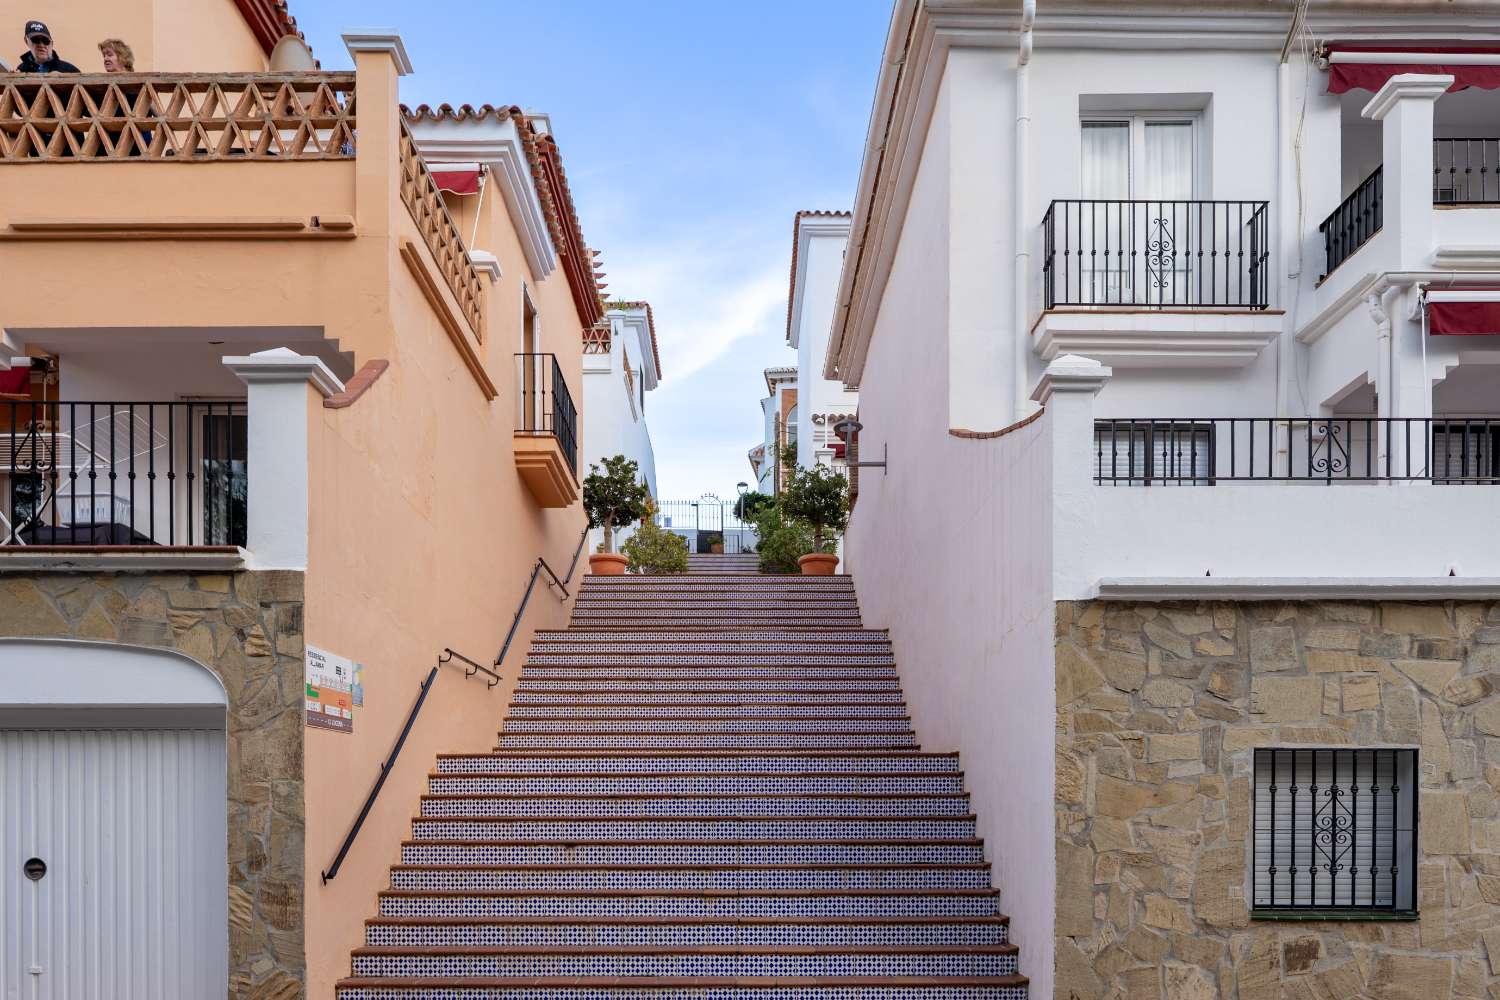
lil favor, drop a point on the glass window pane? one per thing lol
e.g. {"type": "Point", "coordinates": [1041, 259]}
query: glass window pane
{"type": "Point", "coordinates": [1106, 160]}
{"type": "Point", "coordinates": [1168, 161]}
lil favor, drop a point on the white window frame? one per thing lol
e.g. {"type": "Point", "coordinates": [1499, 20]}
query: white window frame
{"type": "Point", "coordinates": [1137, 122]}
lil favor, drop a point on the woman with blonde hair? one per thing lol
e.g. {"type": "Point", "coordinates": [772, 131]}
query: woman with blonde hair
{"type": "Point", "coordinates": [117, 56]}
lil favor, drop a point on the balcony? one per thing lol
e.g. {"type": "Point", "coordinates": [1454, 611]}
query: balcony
{"type": "Point", "coordinates": [1156, 283]}
{"type": "Point", "coordinates": [86, 474]}
{"type": "Point", "coordinates": [546, 437]}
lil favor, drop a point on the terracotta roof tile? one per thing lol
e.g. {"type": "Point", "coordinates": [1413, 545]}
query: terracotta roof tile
{"type": "Point", "coordinates": [269, 20]}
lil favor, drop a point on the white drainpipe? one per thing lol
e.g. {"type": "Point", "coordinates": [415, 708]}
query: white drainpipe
{"type": "Point", "coordinates": [1022, 206]}
{"type": "Point", "coordinates": [1385, 391]}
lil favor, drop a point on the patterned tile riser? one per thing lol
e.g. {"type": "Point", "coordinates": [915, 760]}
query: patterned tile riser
{"type": "Point", "coordinates": [418, 853]}
{"type": "Point", "coordinates": [727, 724]}
{"type": "Point", "coordinates": [814, 709]}
{"type": "Point", "coordinates": [978, 933]}
{"type": "Point", "coordinates": [716, 676]}
{"type": "Point", "coordinates": [687, 907]}
{"type": "Point", "coordinates": [755, 763]}
{"type": "Point", "coordinates": [873, 684]}
{"type": "Point", "coordinates": [581, 698]}
{"type": "Point", "coordinates": [798, 806]}
{"type": "Point", "coordinates": [647, 643]}
{"type": "Point", "coordinates": [749, 658]}
{"type": "Point", "coordinates": [704, 741]}
{"type": "Point", "coordinates": [753, 784]}
{"type": "Point", "coordinates": [684, 993]}
{"type": "Point", "coordinates": [500, 879]}
{"type": "Point", "coordinates": [573, 830]}
{"type": "Point", "coordinates": [699, 638]}
{"type": "Point", "coordinates": [684, 965]}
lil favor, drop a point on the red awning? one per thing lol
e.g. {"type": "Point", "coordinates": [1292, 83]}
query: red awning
{"type": "Point", "coordinates": [464, 181]}
{"type": "Point", "coordinates": [17, 380]}
{"type": "Point", "coordinates": [1463, 311]}
{"type": "Point", "coordinates": [1358, 67]}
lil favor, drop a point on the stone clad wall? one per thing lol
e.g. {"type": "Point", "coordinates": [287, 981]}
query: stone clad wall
{"type": "Point", "coordinates": [1159, 709]}
{"type": "Point", "coordinates": [247, 628]}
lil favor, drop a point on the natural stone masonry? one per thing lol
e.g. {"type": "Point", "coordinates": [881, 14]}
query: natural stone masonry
{"type": "Point", "coordinates": [247, 628]}
{"type": "Point", "coordinates": [1160, 707]}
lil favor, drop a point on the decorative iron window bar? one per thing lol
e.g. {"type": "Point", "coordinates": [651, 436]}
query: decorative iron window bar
{"type": "Point", "coordinates": [1334, 831]}
{"type": "Point", "coordinates": [546, 404]}
{"type": "Point", "coordinates": [123, 473]}
{"type": "Point", "coordinates": [1354, 222]}
{"type": "Point", "coordinates": [1156, 254]}
{"type": "Point", "coordinates": [1466, 171]}
{"type": "Point", "coordinates": [1183, 451]}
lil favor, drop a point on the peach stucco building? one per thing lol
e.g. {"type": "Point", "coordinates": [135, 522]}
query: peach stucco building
{"type": "Point", "coordinates": [279, 411]}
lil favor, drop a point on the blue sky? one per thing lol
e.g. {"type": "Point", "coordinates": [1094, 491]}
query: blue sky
{"type": "Point", "coordinates": [691, 132]}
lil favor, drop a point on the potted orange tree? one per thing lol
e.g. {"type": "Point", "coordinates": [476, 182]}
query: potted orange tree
{"type": "Point", "coordinates": [613, 498]}
{"type": "Point", "coordinates": [818, 497]}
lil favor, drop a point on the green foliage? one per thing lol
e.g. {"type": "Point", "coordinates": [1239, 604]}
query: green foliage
{"type": "Point", "coordinates": [819, 497]}
{"type": "Point", "coordinates": [789, 456]}
{"type": "Point", "coordinates": [749, 505]}
{"type": "Point", "coordinates": [712, 537]}
{"type": "Point", "coordinates": [615, 497]}
{"type": "Point", "coordinates": [653, 549]}
{"type": "Point", "coordinates": [782, 540]}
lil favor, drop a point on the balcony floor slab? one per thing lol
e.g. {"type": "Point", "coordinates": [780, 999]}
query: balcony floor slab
{"type": "Point", "coordinates": [1157, 338]}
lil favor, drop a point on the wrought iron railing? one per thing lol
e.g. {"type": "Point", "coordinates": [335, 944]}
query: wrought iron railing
{"type": "Point", "coordinates": [1351, 225]}
{"type": "Point", "coordinates": [1180, 451]}
{"type": "Point", "coordinates": [420, 194]}
{"type": "Point", "coordinates": [1466, 171]}
{"type": "Point", "coordinates": [1156, 254]}
{"type": "Point", "coordinates": [1335, 830]}
{"type": "Point", "coordinates": [149, 117]}
{"type": "Point", "coordinates": [706, 517]}
{"type": "Point", "coordinates": [107, 473]}
{"type": "Point", "coordinates": [546, 405]}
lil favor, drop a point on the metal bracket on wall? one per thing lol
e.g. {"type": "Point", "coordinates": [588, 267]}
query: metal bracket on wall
{"type": "Point", "coordinates": [849, 430]}
{"type": "Point", "coordinates": [472, 668]}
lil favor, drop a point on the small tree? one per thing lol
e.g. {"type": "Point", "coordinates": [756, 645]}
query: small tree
{"type": "Point", "coordinates": [615, 497]}
{"type": "Point", "coordinates": [750, 504]}
{"type": "Point", "coordinates": [653, 549]}
{"type": "Point", "coordinates": [782, 540]}
{"type": "Point", "coordinates": [820, 497]}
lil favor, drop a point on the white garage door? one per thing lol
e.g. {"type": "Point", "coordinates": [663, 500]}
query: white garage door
{"type": "Point", "coordinates": [112, 843]}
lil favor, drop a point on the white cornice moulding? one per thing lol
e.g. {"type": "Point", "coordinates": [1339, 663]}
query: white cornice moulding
{"type": "Point", "coordinates": [1406, 87]}
{"type": "Point", "coordinates": [808, 229]}
{"type": "Point", "coordinates": [498, 145]}
{"type": "Point", "coordinates": [386, 40]}
{"type": "Point", "coordinates": [1071, 373]}
{"type": "Point", "coordinates": [282, 365]}
{"type": "Point", "coordinates": [485, 263]}
{"type": "Point", "coordinates": [1158, 339]}
{"type": "Point", "coordinates": [1291, 588]}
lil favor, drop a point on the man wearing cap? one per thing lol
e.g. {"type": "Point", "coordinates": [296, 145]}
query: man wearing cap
{"type": "Point", "coordinates": [41, 57]}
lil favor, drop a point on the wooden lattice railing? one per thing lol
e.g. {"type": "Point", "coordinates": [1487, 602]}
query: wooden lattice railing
{"type": "Point", "coordinates": [176, 116]}
{"type": "Point", "coordinates": [596, 338]}
{"type": "Point", "coordinates": [425, 202]}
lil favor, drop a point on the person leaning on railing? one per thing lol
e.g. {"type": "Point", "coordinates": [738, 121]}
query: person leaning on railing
{"type": "Point", "coordinates": [40, 56]}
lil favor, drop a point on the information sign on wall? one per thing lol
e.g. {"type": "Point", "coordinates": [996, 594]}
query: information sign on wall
{"type": "Point", "coordinates": [330, 690]}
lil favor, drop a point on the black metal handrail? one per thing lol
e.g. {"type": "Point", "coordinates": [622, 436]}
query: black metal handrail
{"type": "Point", "coordinates": [1182, 451]}
{"type": "Point", "coordinates": [546, 404]}
{"type": "Point", "coordinates": [390, 760]}
{"type": "Point", "coordinates": [536, 570]}
{"type": "Point", "coordinates": [1466, 171]}
{"type": "Point", "coordinates": [123, 473]}
{"type": "Point", "coordinates": [1351, 225]}
{"type": "Point", "coordinates": [1156, 254]}
{"type": "Point", "coordinates": [471, 667]}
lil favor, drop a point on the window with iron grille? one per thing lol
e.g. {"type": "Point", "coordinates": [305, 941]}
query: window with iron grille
{"type": "Point", "coordinates": [1335, 830]}
{"type": "Point", "coordinates": [1143, 452]}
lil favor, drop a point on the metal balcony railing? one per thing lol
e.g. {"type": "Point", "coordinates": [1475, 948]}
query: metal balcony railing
{"type": "Point", "coordinates": [1466, 171]}
{"type": "Point", "coordinates": [546, 405]}
{"type": "Point", "coordinates": [119, 473]}
{"type": "Point", "coordinates": [1156, 254]}
{"type": "Point", "coordinates": [1357, 218]}
{"type": "Point", "coordinates": [1181, 451]}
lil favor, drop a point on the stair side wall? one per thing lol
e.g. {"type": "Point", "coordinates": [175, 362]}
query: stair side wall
{"type": "Point", "coordinates": [1160, 707]}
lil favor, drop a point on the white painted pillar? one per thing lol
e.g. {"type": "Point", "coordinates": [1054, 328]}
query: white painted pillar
{"type": "Point", "coordinates": [1405, 107]}
{"type": "Point", "coordinates": [1067, 389]}
{"type": "Point", "coordinates": [279, 384]}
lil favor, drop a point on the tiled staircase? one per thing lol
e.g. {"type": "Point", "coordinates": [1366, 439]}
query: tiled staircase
{"type": "Point", "coordinates": [735, 562]}
{"type": "Point", "coordinates": [706, 787]}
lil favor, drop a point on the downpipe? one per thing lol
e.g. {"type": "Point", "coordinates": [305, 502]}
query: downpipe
{"type": "Point", "coordinates": [1022, 188]}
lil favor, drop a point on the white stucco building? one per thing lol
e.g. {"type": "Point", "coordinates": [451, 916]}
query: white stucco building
{"type": "Point", "coordinates": [621, 364]}
{"type": "Point", "coordinates": [1173, 303]}
{"type": "Point", "coordinates": [818, 241]}
{"type": "Point", "coordinates": [779, 420]}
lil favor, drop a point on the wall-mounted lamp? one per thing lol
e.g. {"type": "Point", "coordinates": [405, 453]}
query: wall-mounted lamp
{"type": "Point", "coordinates": [848, 431]}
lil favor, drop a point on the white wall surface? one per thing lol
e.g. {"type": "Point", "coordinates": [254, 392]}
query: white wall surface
{"type": "Point", "coordinates": [820, 264]}
{"type": "Point", "coordinates": [949, 551]}
{"type": "Point", "coordinates": [616, 423]}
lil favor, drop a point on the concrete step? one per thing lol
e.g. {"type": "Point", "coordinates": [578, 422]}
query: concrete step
{"type": "Point", "coordinates": [600, 806]}
{"type": "Point", "coordinates": [534, 693]}
{"type": "Point", "coordinates": [702, 988]}
{"type": "Point", "coordinates": [454, 878]}
{"type": "Point", "coordinates": [765, 739]}
{"type": "Point", "coordinates": [561, 708]}
{"type": "Point", "coordinates": [632, 761]}
{"type": "Point", "coordinates": [569, 830]}
{"type": "Point", "coordinates": [729, 783]}
{"type": "Point", "coordinates": [691, 904]}
{"type": "Point", "coordinates": [689, 852]}
{"type": "Point", "coordinates": [996, 960]}
{"type": "Point", "coordinates": [725, 721]}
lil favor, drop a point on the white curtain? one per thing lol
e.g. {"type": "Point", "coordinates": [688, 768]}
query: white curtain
{"type": "Point", "coordinates": [1168, 161]}
{"type": "Point", "coordinates": [1106, 160]}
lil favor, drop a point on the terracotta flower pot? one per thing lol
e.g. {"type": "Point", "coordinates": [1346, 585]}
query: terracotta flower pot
{"type": "Point", "coordinates": [607, 564]}
{"type": "Point", "coordinates": [717, 548]}
{"type": "Point", "coordinates": [818, 563]}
